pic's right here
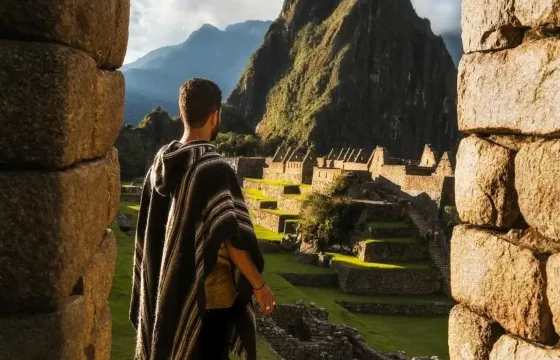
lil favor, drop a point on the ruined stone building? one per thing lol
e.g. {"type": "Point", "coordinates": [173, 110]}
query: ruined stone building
{"type": "Point", "coordinates": [505, 261]}
{"type": "Point", "coordinates": [427, 182]}
{"type": "Point", "coordinates": [61, 109]}
{"type": "Point", "coordinates": [291, 164]}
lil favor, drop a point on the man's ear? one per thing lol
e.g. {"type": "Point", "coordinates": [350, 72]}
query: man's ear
{"type": "Point", "coordinates": [215, 117]}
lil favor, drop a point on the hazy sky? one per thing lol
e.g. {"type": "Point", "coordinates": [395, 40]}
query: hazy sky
{"type": "Point", "coordinates": [157, 23]}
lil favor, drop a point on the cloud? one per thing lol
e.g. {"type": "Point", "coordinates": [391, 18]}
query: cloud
{"type": "Point", "coordinates": [444, 15]}
{"type": "Point", "coordinates": [157, 23]}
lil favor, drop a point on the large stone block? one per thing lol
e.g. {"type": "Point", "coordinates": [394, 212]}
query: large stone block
{"type": "Point", "coordinates": [510, 348]}
{"type": "Point", "coordinates": [512, 91]}
{"type": "Point", "coordinates": [100, 28]}
{"type": "Point", "coordinates": [56, 108]}
{"type": "Point", "coordinates": [504, 282]}
{"type": "Point", "coordinates": [109, 110]}
{"type": "Point", "coordinates": [485, 190]}
{"type": "Point", "coordinates": [99, 275]}
{"type": "Point", "coordinates": [471, 336]}
{"type": "Point", "coordinates": [553, 288]}
{"type": "Point", "coordinates": [59, 335]}
{"type": "Point", "coordinates": [100, 341]}
{"type": "Point", "coordinates": [500, 24]}
{"type": "Point", "coordinates": [537, 167]}
{"type": "Point", "coordinates": [53, 224]}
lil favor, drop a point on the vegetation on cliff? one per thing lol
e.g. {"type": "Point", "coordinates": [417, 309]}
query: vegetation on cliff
{"type": "Point", "coordinates": [339, 73]}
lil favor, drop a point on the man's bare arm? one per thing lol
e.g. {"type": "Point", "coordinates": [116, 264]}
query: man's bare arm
{"type": "Point", "coordinates": [262, 292]}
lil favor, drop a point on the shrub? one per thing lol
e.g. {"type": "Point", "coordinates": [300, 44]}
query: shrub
{"type": "Point", "coordinates": [343, 183]}
{"type": "Point", "coordinates": [327, 221]}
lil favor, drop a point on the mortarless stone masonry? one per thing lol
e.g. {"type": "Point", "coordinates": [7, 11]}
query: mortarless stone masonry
{"type": "Point", "coordinates": [61, 110]}
{"type": "Point", "coordinates": [508, 281]}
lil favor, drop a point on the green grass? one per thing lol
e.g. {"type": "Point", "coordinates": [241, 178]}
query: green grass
{"type": "Point", "coordinates": [278, 212]}
{"type": "Point", "coordinates": [305, 186]}
{"type": "Point", "coordinates": [298, 197]}
{"type": "Point", "coordinates": [417, 336]}
{"type": "Point", "coordinates": [354, 261]}
{"type": "Point", "coordinates": [256, 195]}
{"type": "Point", "coordinates": [386, 225]}
{"type": "Point", "coordinates": [264, 234]}
{"type": "Point", "coordinates": [409, 240]}
{"type": "Point", "coordinates": [272, 182]}
{"type": "Point", "coordinates": [286, 263]}
{"type": "Point", "coordinates": [424, 335]}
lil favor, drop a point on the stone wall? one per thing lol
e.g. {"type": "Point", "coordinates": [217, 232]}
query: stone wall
{"type": "Point", "coordinates": [247, 167]}
{"type": "Point", "coordinates": [428, 309]}
{"type": "Point", "coordinates": [323, 178]}
{"type": "Point", "coordinates": [61, 110]}
{"type": "Point", "coordinates": [504, 263]}
{"type": "Point", "coordinates": [296, 331]}
{"type": "Point", "coordinates": [373, 281]}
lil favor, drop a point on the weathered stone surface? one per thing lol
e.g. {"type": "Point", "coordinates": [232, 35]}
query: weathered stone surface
{"type": "Point", "coordinates": [471, 336]}
{"type": "Point", "coordinates": [500, 24]}
{"type": "Point", "coordinates": [99, 275]}
{"type": "Point", "coordinates": [55, 223]}
{"type": "Point", "coordinates": [59, 335]}
{"type": "Point", "coordinates": [537, 167]}
{"type": "Point", "coordinates": [56, 108]}
{"type": "Point", "coordinates": [513, 91]}
{"type": "Point", "coordinates": [100, 341]}
{"type": "Point", "coordinates": [100, 28]}
{"type": "Point", "coordinates": [484, 187]}
{"type": "Point", "coordinates": [510, 348]}
{"type": "Point", "coordinates": [109, 110]}
{"type": "Point", "coordinates": [498, 279]}
{"type": "Point", "coordinates": [553, 288]}
{"type": "Point", "coordinates": [532, 240]}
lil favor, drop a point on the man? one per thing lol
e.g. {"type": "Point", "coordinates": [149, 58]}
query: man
{"type": "Point", "coordinates": [197, 261]}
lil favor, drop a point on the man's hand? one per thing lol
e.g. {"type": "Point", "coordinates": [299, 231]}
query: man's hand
{"type": "Point", "coordinates": [265, 299]}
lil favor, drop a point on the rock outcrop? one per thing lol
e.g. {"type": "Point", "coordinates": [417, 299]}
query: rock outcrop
{"type": "Point", "coordinates": [350, 72]}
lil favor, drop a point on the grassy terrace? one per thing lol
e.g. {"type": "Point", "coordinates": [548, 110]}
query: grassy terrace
{"type": "Point", "coordinates": [277, 212]}
{"type": "Point", "coordinates": [272, 182]}
{"type": "Point", "coordinates": [299, 197]}
{"type": "Point", "coordinates": [408, 240]}
{"type": "Point", "coordinates": [416, 336]}
{"type": "Point", "coordinates": [354, 261]}
{"type": "Point", "coordinates": [264, 234]}
{"type": "Point", "coordinates": [256, 195]}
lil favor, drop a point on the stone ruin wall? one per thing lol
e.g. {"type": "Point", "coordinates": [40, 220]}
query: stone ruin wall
{"type": "Point", "coordinates": [290, 164]}
{"type": "Point", "coordinates": [296, 332]}
{"type": "Point", "coordinates": [247, 167]}
{"type": "Point", "coordinates": [505, 263]}
{"type": "Point", "coordinates": [61, 110]}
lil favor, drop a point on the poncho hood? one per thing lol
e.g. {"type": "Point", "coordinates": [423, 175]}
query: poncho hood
{"type": "Point", "coordinates": [172, 161]}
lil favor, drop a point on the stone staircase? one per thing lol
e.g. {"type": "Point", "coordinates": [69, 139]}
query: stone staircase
{"type": "Point", "coordinates": [395, 260]}
{"type": "Point", "coordinates": [275, 205]}
{"type": "Point", "coordinates": [437, 253]}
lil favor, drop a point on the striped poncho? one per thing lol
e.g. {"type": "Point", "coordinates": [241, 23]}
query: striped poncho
{"type": "Point", "coordinates": [191, 203]}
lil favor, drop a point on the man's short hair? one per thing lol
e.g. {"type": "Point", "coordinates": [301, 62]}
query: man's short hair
{"type": "Point", "coordinates": [198, 98]}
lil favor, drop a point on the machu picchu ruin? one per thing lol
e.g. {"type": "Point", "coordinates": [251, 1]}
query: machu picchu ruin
{"type": "Point", "coordinates": [404, 196]}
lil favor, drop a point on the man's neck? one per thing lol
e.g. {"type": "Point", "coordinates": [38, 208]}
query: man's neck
{"type": "Point", "coordinates": [193, 135]}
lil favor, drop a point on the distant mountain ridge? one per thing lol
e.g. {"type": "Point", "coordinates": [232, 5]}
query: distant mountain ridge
{"type": "Point", "coordinates": [219, 55]}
